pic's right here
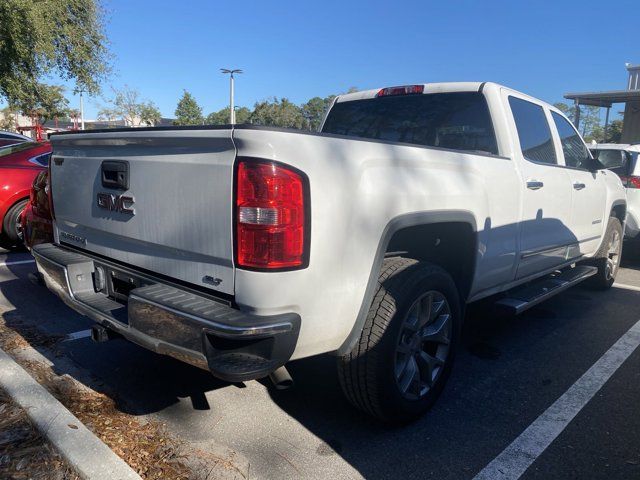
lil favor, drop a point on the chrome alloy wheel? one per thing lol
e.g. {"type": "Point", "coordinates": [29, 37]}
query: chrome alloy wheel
{"type": "Point", "coordinates": [613, 255]}
{"type": "Point", "coordinates": [423, 345]}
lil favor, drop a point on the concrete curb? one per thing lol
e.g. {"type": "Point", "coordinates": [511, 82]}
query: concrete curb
{"type": "Point", "coordinates": [85, 452]}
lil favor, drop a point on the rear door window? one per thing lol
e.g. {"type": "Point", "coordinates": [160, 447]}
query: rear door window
{"type": "Point", "coordinates": [456, 121]}
{"type": "Point", "coordinates": [533, 131]}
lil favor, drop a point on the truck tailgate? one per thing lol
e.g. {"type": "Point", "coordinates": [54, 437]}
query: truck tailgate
{"type": "Point", "coordinates": [171, 215]}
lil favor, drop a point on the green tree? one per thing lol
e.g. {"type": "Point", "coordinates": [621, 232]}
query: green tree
{"type": "Point", "coordinates": [595, 135]}
{"type": "Point", "coordinates": [314, 111]}
{"type": "Point", "coordinates": [72, 114]}
{"type": "Point", "coordinates": [50, 103]}
{"type": "Point", "coordinates": [108, 114]}
{"type": "Point", "coordinates": [614, 132]}
{"type": "Point", "coordinates": [221, 117]}
{"type": "Point", "coordinates": [126, 105]}
{"type": "Point", "coordinates": [49, 37]}
{"type": "Point", "coordinates": [7, 119]}
{"type": "Point", "coordinates": [278, 113]}
{"type": "Point", "coordinates": [589, 121]}
{"type": "Point", "coordinates": [149, 114]}
{"type": "Point", "coordinates": [569, 111]}
{"type": "Point", "coordinates": [188, 112]}
{"type": "Point", "coordinates": [590, 127]}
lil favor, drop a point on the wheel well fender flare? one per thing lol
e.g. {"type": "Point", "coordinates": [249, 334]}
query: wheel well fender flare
{"type": "Point", "coordinates": [393, 226]}
{"type": "Point", "coordinates": [616, 205]}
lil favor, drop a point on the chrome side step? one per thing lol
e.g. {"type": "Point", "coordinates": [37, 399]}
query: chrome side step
{"type": "Point", "coordinates": [523, 298]}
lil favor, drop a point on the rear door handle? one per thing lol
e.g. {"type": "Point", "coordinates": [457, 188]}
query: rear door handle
{"type": "Point", "coordinates": [578, 185]}
{"type": "Point", "coordinates": [534, 184]}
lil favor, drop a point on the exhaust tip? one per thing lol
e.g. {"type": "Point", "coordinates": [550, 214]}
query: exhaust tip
{"type": "Point", "coordinates": [281, 379]}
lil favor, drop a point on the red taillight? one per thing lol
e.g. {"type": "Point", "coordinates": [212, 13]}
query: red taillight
{"type": "Point", "coordinates": [631, 181]}
{"type": "Point", "coordinates": [270, 216]}
{"type": "Point", "coordinates": [38, 184]}
{"type": "Point", "coordinates": [403, 90]}
{"type": "Point", "coordinates": [34, 192]}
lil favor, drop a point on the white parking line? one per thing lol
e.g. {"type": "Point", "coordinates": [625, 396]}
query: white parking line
{"type": "Point", "coordinates": [627, 287]}
{"type": "Point", "coordinates": [77, 335]}
{"type": "Point", "coordinates": [523, 451]}
{"type": "Point", "coordinates": [17, 262]}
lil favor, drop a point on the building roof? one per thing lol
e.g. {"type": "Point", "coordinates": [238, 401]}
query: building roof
{"type": "Point", "coordinates": [604, 99]}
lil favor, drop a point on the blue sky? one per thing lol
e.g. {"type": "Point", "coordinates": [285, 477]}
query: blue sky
{"type": "Point", "coordinates": [299, 49]}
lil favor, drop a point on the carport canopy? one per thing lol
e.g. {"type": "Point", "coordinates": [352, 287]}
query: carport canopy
{"type": "Point", "coordinates": [601, 99]}
{"type": "Point", "coordinates": [604, 99]}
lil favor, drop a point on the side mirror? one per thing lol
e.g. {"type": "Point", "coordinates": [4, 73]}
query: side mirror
{"type": "Point", "coordinates": [593, 165]}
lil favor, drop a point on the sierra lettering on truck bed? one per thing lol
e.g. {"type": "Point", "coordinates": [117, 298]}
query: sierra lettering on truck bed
{"type": "Point", "coordinates": [240, 248]}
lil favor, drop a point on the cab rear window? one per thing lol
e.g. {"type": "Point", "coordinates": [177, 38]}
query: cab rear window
{"type": "Point", "coordinates": [457, 121]}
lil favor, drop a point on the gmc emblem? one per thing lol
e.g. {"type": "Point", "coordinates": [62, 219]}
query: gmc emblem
{"type": "Point", "coordinates": [116, 203]}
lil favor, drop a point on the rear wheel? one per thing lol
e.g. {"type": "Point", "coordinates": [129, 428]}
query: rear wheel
{"type": "Point", "coordinates": [403, 358]}
{"type": "Point", "coordinates": [608, 256]}
{"type": "Point", "coordinates": [11, 236]}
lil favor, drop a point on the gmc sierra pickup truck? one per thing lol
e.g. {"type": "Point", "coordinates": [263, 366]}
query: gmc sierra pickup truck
{"type": "Point", "coordinates": [241, 248]}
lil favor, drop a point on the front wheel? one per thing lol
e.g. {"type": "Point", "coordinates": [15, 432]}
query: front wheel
{"type": "Point", "coordinates": [608, 256]}
{"type": "Point", "coordinates": [404, 355]}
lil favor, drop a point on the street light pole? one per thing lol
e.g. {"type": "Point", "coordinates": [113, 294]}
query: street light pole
{"type": "Point", "coordinates": [81, 112]}
{"type": "Point", "coordinates": [232, 112]}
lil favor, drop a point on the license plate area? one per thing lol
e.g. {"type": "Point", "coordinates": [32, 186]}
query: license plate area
{"type": "Point", "coordinates": [116, 284]}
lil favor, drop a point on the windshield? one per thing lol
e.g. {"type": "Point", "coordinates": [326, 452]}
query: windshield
{"type": "Point", "coordinates": [458, 121]}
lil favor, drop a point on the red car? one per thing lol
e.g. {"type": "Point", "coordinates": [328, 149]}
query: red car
{"type": "Point", "coordinates": [10, 138]}
{"type": "Point", "coordinates": [19, 166]}
{"type": "Point", "coordinates": [37, 220]}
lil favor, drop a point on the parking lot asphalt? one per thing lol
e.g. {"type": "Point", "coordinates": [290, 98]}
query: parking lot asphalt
{"type": "Point", "coordinates": [507, 373]}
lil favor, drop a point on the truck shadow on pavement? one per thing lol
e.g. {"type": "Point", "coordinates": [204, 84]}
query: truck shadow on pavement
{"type": "Point", "coordinates": [140, 381]}
{"type": "Point", "coordinates": [507, 372]}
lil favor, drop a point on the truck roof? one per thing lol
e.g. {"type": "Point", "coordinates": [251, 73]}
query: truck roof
{"type": "Point", "coordinates": [441, 87]}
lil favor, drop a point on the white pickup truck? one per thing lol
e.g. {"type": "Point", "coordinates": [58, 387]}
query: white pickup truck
{"type": "Point", "coordinates": [238, 249]}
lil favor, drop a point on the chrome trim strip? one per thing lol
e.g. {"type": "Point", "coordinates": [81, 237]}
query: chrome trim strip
{"type": "Point", "coordinates": [530, 253]}
{"type": "Point", "coordinates": [540, 251]}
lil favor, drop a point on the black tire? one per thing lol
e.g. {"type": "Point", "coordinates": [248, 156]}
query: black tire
{"type": "Point", "coordinates": [368, 373]}
{"type": "Point", "coordinates": [607, 260]}
{"type": "Point", "coordinates": [10, 238]}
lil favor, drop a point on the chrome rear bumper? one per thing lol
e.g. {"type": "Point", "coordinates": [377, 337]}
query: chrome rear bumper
{"type": "Point", "coordinates": [171, 320]}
